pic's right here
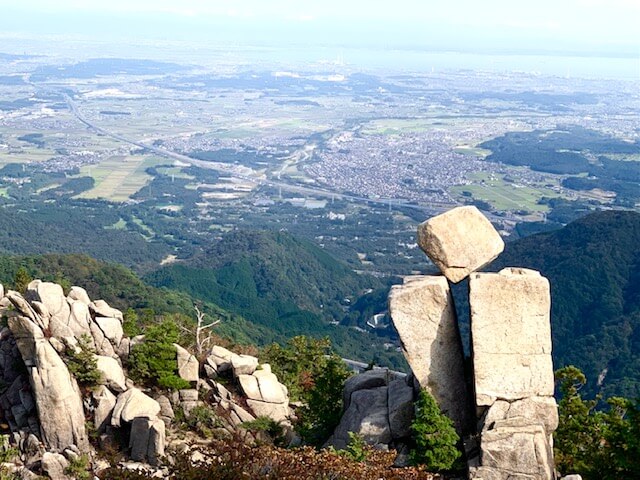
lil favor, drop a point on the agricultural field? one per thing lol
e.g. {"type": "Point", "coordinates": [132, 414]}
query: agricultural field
{"type": "Point", "coordinates": [119, 177]}
{"type": "Point", "coordinates": [505, 195]}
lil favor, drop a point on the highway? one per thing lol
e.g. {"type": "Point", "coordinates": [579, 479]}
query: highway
{"type": "Point", "coordinates": [232, 171]}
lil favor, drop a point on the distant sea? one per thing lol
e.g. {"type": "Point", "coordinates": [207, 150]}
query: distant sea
{"type": "Point", "coordinates": [329, 58]}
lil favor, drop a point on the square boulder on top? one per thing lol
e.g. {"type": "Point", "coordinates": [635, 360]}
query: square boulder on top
{"type": "Point", "coordinates": [460, 241]}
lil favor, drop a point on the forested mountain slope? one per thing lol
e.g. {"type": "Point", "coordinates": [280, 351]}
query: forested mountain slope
{"type": "Point", "coordinates": [593, 265]}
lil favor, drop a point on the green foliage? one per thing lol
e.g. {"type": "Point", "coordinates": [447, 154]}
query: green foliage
{"type": "Point", "coordinates": [315, 376]}
{"type": "Point", "coordinates": [83, 364]}
{"type": "Point", "coordinates": [267, 425]}
{"type": "Point", "coordinates": [434, 435]}
{"type": "Point", "coordinates": [78, 468]}
{"type": "Point", "coordinates": [356, 448]}
{"type": "Point", "coordinates": [593, 266]}
{"type": "Point", "coordinates": [21, 280]}
{"type": "Point", "coordinates": [130, 325]}
{"type": "Point", "coordinates": [153, 361]}
{"type": "Point", "coordinates": [202, 419]}
{"type": "Point", "coordinates": [597, 444]}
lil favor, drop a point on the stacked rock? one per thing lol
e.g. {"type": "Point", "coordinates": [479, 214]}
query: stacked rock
{"type": "Point", "coordinates": [515, 412]}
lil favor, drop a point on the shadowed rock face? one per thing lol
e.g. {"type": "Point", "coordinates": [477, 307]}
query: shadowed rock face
{"type": "Point", "coordinates": [424, 316]}
{"type": "Point", "coordinates": [460, 242]}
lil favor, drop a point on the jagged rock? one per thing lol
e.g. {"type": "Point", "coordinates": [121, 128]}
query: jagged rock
{"type": "Point", "coordinates": [124, 349]}
{"type": "Point", "coordinates": [100, 308]}
{"type": "Point", "coordinates": [210, 371]}
{"type": "Point", "coordinates": [147, 439]}
{"type": "Point", "coordinates": [368, 416]}
{"type": "Point", "coordinates": [250, 388]}
{"type": "Point", "coordinates": [279, 412]}
{"type": "Point", "coordinates": [242, 414]}
{"type": "Point", "coordinates": [51, 296]}
{"type": "Point", "coordinates": [131, 404]}
{"type": "Point", "coordinates": [188, 395]}
{"type": "Point", "coordinates": [423, 314]}
{"type": "Point", "coordinates": [112, 373]}
{"type": "Point", "coordinates": [53, 464]}
{"type": "Point", "coordinates": [511, 335]}
{"type": "Point", "coordinates": [56, 392]}
{"type": "Point", "coordinates": [220, 357]}
{"type": "Point", "coordinates": [243, 364]}
{"type": "Point", "coordinates": [26, 310]}
{"type": "Point", "coordinates": [401, 411]}
{"type": "Point", "coordinates": [222, 391]}
{"type": "Point", "coordinates": [364, 381]}
{"type": "Point", "coordinates": [102, 343]}
{"type": "Point", "coordinates": [79, 294]}
{"type": "Point", "coordinates": [188, 366]}
{"type": "Point", "coordinates": [104, 402]}
{"type": "Point", "coordinates": [79, 320]}
{"type": "Point", "coordinates": [112, 329]}
{"type": "Point", "coordinates": [460, 241]}
{"type": "Point", "coordinates": [166, 410]}
{"type": "Point", "coordinates": [271, 390]}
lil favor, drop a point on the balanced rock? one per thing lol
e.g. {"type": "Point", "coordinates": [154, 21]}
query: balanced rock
{"type": "Point", "coordinates": [104, 401]}
{"type": "Point", "coordinates": [79, 294]}
{"type": "Point", "coordinates": [460, 241]}
{"type": "Point", "coordinates": [423, 314]}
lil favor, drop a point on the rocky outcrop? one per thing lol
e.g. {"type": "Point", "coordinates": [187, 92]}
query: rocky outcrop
{"type": "Point", "coordinates": [56, 393]}
{"type": "Point", "coordinates": [44, 406]}
{"type": "Point", "coordinates": [513, 373]}
{"type": "Point", "coordinates": [188, 366]}
{"type": "Point", "coordinates": [424, 316]}
{"type": "Point", "coordinates": [460, 242]}
{"type": "Point", "coordinates": [378, 405]}
{"type": "Point", "coordinates": [266, 396]}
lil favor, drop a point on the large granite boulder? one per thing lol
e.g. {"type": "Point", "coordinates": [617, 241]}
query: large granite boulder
{"type": "Point", "coordinates": [132, 404]}
{"type": "Point", "coordinates": [367, 415]}
{"type": "Point", "coordinates": [56, 393]}
{"type": "Point", "coordinates": [424, 316]}
{"type": "Point", "coordinates": [188, 365]}
{"type": "Point", "coordinates": [460, 241]}
{"type": "Point", "coordinates": [112, 373]}
{"type": "Point", "coordinates": [513, 375]}
{"type": "Point", "coordinates": [511, 335]}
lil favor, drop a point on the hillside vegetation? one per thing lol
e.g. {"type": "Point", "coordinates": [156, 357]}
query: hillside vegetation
{"type": "Point", "coordinates": [593, 265]}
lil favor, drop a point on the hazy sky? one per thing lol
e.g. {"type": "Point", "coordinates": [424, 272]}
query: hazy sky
{"type": "Point", "coordinates": [572, 25]}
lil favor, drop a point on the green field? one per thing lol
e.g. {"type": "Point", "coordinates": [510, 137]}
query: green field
{"type": "Point", "coordinates": [504, 195]}
{"type": "Point", "coordinates": [118, 178]}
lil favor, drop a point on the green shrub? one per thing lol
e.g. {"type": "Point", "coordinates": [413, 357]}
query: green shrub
{"type": "Point", "coordinates": [130, 323]}
{"type": "Point", "coordinates": [315, 376]}
{"type": "Point", "coordinates": [434, 435]}
{"type": "Point", "coordinates": [356, 448]}
{"type": "Point", "coordinates": [78, 468]}
{"type": "Point", "coordinates": [267, 425]}
{"type": "Point", "coordinates": [83, 364]}
{"type": "Point", "coordinates": [153, 361]}
{"type": "Point", "coordinates": [597, 444]}
{"type": "Point", "coordinates": [202, 419]}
